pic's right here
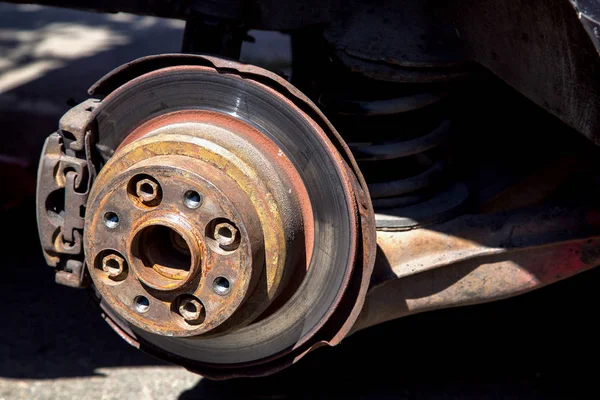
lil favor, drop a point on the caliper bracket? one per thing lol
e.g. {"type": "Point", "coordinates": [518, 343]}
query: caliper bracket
{"type": "Point", "coordinates": [65, 175]}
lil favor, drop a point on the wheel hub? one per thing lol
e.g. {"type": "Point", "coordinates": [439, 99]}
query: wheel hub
{"type": "Point", "coordinates": [171, 206]}
{"type": "Point", "coordinates": [228, 228]}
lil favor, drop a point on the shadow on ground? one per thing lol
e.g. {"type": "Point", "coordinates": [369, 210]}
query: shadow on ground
{"type": "Point", "coordinates": [49, 57]}
{"type": "Point", "coordinates": [539, 345]}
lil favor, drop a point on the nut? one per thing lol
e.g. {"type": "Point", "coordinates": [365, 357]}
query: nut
{"type": "Point", "coordinates": [146, 190]}
{"type": "Point", "coordinates": [113, 265]}
{"type": "Point", "coordinates": [225, 234]}
{"type": "Point", "coordinates": [190, 309]}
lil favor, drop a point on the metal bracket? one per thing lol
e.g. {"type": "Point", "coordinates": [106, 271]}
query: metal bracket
{"type": "Point", "coordinates": [65, 176]}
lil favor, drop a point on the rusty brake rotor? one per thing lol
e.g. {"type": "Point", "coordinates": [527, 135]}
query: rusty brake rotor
{"type": "Point", "coordinates": [228, 228]}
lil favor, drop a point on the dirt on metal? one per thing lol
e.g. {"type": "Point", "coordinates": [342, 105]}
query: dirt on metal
{"type": "Point", "coordinates": [170, 164]}
{"type": "Point", "coordinates": [199, 224]}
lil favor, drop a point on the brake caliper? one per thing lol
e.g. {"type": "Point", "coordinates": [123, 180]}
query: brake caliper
{"type": "Point", "coordinates": [65, 176]}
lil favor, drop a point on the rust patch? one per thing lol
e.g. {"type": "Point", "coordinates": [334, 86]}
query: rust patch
{"type": "Point", "coordinates": [257, 138]}
{"type": "Point", "coordinates": [350, 299]}
{"type": "Point", "coordinates": [166, 246]}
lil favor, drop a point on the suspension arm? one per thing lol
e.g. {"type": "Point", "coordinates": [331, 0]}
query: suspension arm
{"type": "Point", "coordinates": [478, 258]}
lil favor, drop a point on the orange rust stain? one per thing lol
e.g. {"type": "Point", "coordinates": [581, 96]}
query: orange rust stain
{"type": "Point", "coordinates": [253, 135]}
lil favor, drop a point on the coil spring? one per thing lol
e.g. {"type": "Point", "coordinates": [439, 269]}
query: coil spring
{"type": "Point", "coordinates": [399, 135]}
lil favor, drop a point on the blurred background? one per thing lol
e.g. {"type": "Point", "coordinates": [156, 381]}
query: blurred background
{"type": "Point", "coordinates": [54, 345]}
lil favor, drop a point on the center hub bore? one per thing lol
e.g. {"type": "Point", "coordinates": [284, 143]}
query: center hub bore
{"type": "Point", "coordinates": [185, 239]}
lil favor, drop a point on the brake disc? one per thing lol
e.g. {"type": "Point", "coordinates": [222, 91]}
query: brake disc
{"type": "Point", "coordinates": [228, 228]}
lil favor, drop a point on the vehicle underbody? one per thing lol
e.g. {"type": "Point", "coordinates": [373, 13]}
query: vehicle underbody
{"type": "Point", "coordinates": [421, 156]}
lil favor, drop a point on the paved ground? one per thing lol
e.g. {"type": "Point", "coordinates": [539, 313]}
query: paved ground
{"type": "Point", "coordinates": [53, 344]}
{"type": "Point", "coordinates": [49, 57]}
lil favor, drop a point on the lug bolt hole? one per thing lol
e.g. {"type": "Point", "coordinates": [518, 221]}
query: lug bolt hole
{"type": "Point", "coordinates": [141, 304]}
{"type": "Point", "coordinates": [111, 220]}
{"type": "Point", "coordinates": [221, 285]}
{"type": "Point", "coordinates": [192, 199]}
{"type": "Point", "coordinates": [144, 191]}
{"type": "Point", "coordinates": [190, 308]}
{"type": "Point", "coordinates": [225, 233]}
{"type": "Point", "coordinates": [147, 189]}
{"type": "Point", "coordinates": [222, 235]}
{"type": "Point", "coordinates": [112, 265]}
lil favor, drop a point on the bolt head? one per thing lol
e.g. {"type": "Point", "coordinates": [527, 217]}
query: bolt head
{"type": "Point", "coordinates": [146, 190]}
{"type": "Point", "coordinates": [113, 265]}
{"type": "Point", "coordinates": [225, 234]}
{"type": "Point", "coordinates": [190, 309]}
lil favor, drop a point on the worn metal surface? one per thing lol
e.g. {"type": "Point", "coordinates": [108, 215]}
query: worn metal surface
{"type": "Point", "coordinates": [196, 79]}
{"type": "Point", "coordinates": [192, 226]}
{"type": "Point", "coordinates": [171, 252]}
{"type": "Point", "coordinates": [65, 175]}
{"type": "Point", "coordinates": [479, 258]}
{"type": "Point", "coordinates": [358, 287]}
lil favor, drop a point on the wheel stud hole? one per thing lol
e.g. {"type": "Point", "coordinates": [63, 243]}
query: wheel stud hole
{"type": "Point", "coordinates": [189, 311]}
{"type": "Point", "coordinates": [192, 199]}
{"type": "Point", "coordinates": [190, 307]}
{"type": "Point", "coordinates": [111, 220]}
{"type": "Point", "coordinates": [223, 235]}
{"type": "Point", "coordinates": [141, 304]}
{"type": "Point", "coordinates": [112, 265]}
{"type": "Point", "coordinates": [221, 285]}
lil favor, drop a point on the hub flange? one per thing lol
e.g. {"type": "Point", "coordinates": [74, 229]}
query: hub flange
{"type": "Point", "coordinates": [191, 222]}
{"type": "Point", "coordinates": [228, 227]}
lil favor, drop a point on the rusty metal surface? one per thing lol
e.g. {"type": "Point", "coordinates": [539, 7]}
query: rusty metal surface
{"type": "Point", "coordinates": [65, 175]}
{"type": "Point", "coordinates": [464, 261]}
{"type": "Point", "coordinates": [161, 267]}
{"type": "Point", "coordinates": [479, 258]}
{"type": "Point", "coordinates": [214, 348]}
{"type": "Point", "coordinates": [123, 74]}
{"type": "Point", "coordinates": [269, 199]}
{"type": "Point", "coordinates": [210, 125]}
{"type": "Point", "coordinates": [253, 243]}
{"type": "Point", "coordinates": [356, 291]}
